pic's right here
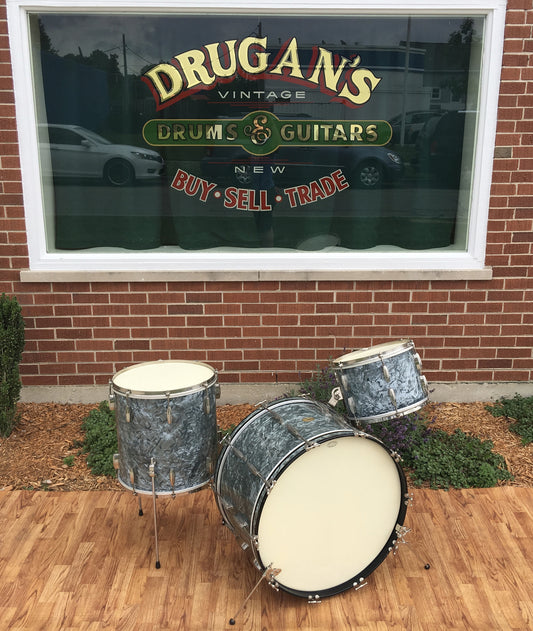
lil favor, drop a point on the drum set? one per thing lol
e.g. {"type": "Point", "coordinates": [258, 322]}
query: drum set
{"type": "Point", "coordinates": [316, 501]}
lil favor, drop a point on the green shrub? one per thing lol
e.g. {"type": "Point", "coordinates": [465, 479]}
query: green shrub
{"type": "Point", "coordinates": [431, 456]}
{"type": "Point", "coordinates": [457, 460]}
{"type": "Point", "coordinates": [320, 386]}
{"type": "Point", "coordinates": [100, 440]}
{"type": "Point", "coordinates": [11, 347]}
{"type": "Point", "coordinates": [520, 410]}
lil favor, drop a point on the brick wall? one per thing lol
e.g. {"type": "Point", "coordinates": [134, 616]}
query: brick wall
{"type": "Point", "coordinates": [82, 333]}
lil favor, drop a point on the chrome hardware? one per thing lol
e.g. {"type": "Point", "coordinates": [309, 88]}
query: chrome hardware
{"type": "Point", "coordinates": [292, 430]}
{"type": "Point", "coordinates": [401, 532]}
{"type": "Point", "coordinates": [361, 584]}
{"type": "Point", "coordinates": [116, 464]}
{"type": "Point", "coordinates": [425, 386]}
{"type": "Point", "coordinates": [336, 396]}
{"type": "Point", "coordinates": [268, 483]}
{"type": "Point", "coordinates": [169, 411]}
{"type": "Point", "coordinates": [396, 456]}
{"type": "Point", "coordinates": [111, 396]}
{"type": "Point", "coordinates": [128, 410]}
{"type": "Point", "coordinates": [151, 468]}
{"type": "Point", "coordinates": [172, 477]}
{"type": "Point", "coordinates": [385, 370]}
{"type": "Point", "coordinates": [392, 397]}
{"type": "Point", "coordinates": [217, 391]}
{"type": "Point", "coordinates": [207, 402]}
{"type": "Point", "coordinates": [418, 362]}
{"type": "Point", "coordinates": [313, 600]}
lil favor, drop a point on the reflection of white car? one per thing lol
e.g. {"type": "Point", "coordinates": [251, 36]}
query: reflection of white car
{"type": "Point", "coordinates": [78, 152]}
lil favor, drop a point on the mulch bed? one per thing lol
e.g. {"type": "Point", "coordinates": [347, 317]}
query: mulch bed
{"type": "Point", "coordinates": [44, 450]}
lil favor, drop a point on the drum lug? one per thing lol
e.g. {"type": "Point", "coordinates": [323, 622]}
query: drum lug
{"type": "Point", "coordinates": [425, 386]}
{"type": "Point", "coordinates": [386, 373]}
{"type": "Point", "coordinates": [111, 396]}
{"type": "Point", "coordinates": [128, 409]}
{"type": "Point", "coordinates": [418, 362]}
{"type": "Point", "coordinates": [169, 411]}
{"type": "Point", "coordinates": [116, 464]}
{"type": "Point", "coordinates": [207, 402]}
{"type": "Point", "coordinates": [336, 396]}
{"type": "Point", "coordinates": [392, 396]}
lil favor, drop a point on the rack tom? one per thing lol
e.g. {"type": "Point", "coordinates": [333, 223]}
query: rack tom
{"type": "Point", "coordinates": [381, 382]}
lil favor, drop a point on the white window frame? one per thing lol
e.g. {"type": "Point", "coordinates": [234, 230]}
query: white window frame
{"type": "Point", "coordinates": [262, 264]}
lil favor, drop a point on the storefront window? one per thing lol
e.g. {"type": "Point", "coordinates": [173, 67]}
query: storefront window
{"type": "Point", "coordinates": [256, 133]}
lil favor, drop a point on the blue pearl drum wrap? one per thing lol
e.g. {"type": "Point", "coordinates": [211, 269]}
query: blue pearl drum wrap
{"type": "Point", "coordinates": [183, 450]}
{"type": "Point", "coordinates": [262, 449]}
{"type": "Point", "coordinates": [268, 446]}
{"type": "Point", "coordinates": [383, 385]}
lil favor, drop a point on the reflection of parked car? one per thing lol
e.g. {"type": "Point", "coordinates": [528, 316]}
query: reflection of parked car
{"type": "Point", "coordinates": [365, 166]}
{"type": "Point", "coordinates": [414, 122]}
{"type": "Point", "coordinates": [78, 152]}
{"type": "Point", "coordinates": [440, 147]}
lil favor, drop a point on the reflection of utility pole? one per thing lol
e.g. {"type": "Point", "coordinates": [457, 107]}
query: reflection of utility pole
{"type": "Point", "coordinates": [126, 88]}
{"type": "Point", "coordinates": [124, 56]}
{"type": "Point", "coordinates": [405, 78]}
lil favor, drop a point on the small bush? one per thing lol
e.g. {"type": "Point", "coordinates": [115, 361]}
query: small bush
{"type": "Point", "coordinates": [457, 460]}
{"type": "Point", "coordinates": [11, 347]}
{"type": "Point", "coordinates": [431, 456]}
{"type": "Point", "coordinates": [100, 440]}
{"type": "Point", "coordinates": [520, 410]}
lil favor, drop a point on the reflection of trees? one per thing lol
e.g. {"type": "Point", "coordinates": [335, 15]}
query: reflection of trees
{"type": "Point", "coordinates": [458, 54]}
{"type": "Point", "coordinates": [99, 96]}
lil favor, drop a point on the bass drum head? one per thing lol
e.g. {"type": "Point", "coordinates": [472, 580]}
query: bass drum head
{"type": "Point", "coordinates": [162, 376]}
{"type": "Point", "coordinates": [330, 517]}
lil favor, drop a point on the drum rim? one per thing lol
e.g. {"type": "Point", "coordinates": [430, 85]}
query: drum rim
{"type": "Point", "coordinates": [158, 394]}
{"type": "Point", "coordinates": [223, 455]}
{"type": "Point", "coordinates": [365, 572]}
{"type": "Point", "coordinates": [397, 348]}
{"type": "Point", "coordinates": [387, 416]}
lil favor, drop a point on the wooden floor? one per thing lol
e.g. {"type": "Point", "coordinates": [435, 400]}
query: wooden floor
{"type": "Point", "coordinates": [85, 561]}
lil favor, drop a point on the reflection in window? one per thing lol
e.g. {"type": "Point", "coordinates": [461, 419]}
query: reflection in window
{"type": "Point", "coordinates": [329, 183]}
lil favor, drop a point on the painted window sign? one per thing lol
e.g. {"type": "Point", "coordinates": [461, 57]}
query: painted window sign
{"type": "Point", "coordinates": [238, 133]}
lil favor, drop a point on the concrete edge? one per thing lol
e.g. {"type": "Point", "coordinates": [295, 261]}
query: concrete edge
{"type": "Point", "coordinates": [464, 392]}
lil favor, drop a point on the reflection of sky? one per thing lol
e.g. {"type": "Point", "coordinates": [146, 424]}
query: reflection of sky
{"type": "Point", "coordinates": [151, 39]}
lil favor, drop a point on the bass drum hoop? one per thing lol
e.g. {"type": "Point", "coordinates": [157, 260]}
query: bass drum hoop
{"type": "Point", "coordinates": [358, 578]}
{"type": "Point", "coordinates": [164, 394]}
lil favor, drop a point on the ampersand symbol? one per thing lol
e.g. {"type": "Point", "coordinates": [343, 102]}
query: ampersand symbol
{"type": "Point", "coordinates": [259, 134]}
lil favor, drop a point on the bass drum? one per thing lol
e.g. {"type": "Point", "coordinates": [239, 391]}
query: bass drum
{"type": "Point", "coordinates": [319, 503]}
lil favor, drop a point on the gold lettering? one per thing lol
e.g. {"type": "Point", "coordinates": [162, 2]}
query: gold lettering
{"type": "Point", "coordinates": [194, 71]}
{"type": "Point", "coordinates": [371, 133]}
{"type": "Point", "coordinates": [215, 57]}
{"type": "Point", "coordinates": [356, 133]}
{"type": "Point", "coordinates": [286, 132]}
{"type": "Point", "coordinates": [324, 67]}
{"type": "Point", "coordinates": [363, 82]}
{"type": "Point", "coordinates": [290, 59]}
{"type": "Point", "coordinates": [261, 58]}
{"type": "Point", "coordinates": [163, 132]}
{"type": "Point", "coordinates": [166, 80]}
